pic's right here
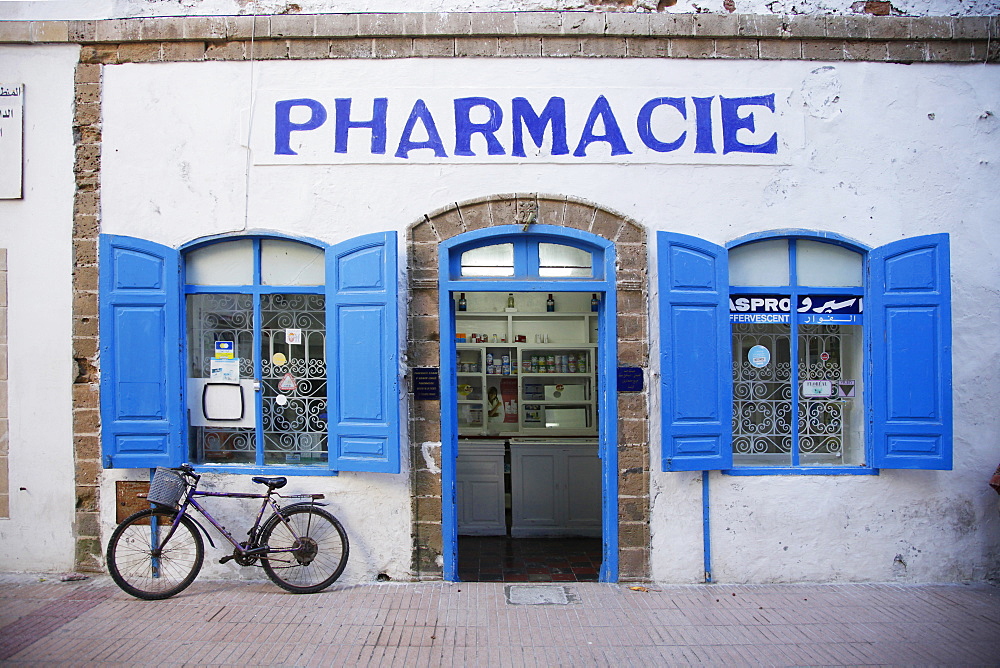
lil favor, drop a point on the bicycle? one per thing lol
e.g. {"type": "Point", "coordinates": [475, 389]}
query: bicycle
{"type": "Point", "coordinates": [156, 553]}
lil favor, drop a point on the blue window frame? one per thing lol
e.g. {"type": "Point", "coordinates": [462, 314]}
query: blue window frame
{"type": "Point", "coordinates": [144, 339]}
{"type": "Point", "coordinates": [526, 256]}
{"type": "Point", "coordinates": [799, 352]}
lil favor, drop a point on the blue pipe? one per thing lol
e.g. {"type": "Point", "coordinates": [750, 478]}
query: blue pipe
{"type": "Point", "coordinates": [706, 529]}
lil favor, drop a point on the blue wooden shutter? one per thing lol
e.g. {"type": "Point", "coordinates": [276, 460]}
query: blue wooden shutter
{"type": "Point", "coordinates": [909, 315]}
{"type": "Point", "coordinates": [695, 355]}
{"type": "Point", "coordinates": [362, 354]}
{"type": "Point", "coordinates": [142, 423]}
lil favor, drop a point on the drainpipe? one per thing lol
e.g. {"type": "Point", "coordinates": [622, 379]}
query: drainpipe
{"type": "Point", "coordinates": [706, 533]}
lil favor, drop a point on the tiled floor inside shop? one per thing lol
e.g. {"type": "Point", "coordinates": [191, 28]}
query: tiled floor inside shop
{"type": "Point", "coordinates": [503, 559]}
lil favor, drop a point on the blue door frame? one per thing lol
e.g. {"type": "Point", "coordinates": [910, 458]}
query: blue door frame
{"type": "Point", "coordinates": [607, 395]}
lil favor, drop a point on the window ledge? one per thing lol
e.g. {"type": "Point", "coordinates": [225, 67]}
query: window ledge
{"type": "Point", "coordinates": [801, 470]}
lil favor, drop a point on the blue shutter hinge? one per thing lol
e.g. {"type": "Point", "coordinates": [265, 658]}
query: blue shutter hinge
{"type": "Point", "coordinates": [107, 462]}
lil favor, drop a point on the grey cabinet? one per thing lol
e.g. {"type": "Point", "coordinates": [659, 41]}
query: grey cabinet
{"type": "Point", "coordinates": [480, 489]}
{"type": "Point", "coordinates": [556, 490]}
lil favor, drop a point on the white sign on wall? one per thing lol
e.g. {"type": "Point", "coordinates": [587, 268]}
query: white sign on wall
{"type": "Point", "coordinates": [524, 125]}
{"type": "Point", "coordinates": [11, 139]}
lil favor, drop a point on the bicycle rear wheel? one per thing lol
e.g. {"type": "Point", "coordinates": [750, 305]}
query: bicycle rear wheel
{"type": "Point", "coordinates": [145, 566]}
{"type": "Point", "coordinates": [318, 549]}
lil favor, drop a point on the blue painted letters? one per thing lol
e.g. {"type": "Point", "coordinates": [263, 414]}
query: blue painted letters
{"type": "Point", "coordinates": [283, 125]}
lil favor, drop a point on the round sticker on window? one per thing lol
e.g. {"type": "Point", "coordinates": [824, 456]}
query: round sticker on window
{"type": "Point", "coordinates": [278, 359]}
{"type": "Point", "coordinates": [759, 356]}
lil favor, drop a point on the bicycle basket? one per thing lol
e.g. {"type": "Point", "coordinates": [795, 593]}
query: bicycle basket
{"type": "Point", "coordinates": [167, 488]}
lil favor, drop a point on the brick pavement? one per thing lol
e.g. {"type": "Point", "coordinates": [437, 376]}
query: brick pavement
{"type": "Point", "coordinates": [46, 622]}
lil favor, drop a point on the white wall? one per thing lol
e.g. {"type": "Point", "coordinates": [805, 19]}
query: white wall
{"type": "Point", "coordinates": [890, 151]}
{"type": "Point", "coordinates": [37, 232]}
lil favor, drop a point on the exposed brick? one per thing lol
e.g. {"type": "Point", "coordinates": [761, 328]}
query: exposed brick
{"type": "Point", "coordinates": [87, 74]}
{"type": "Point", "coordinates": [774, 49]}
{"type": "Point", "coordinates": [971, 27]}
{"type": "Point", "coordinates": [236, 50]}
{"type": "Point", "coordinates": [803, 26]}
{"type": "Point", "coordinates": [270, 49]}
{"type": "Point", "coordinates": [83, 347]}
{"type": "Point", "coordinates": [684, 47]}
{"type": "Point", "coordinates": [85, 252]}
{"type": "Point", "coordinates": [426, 430]}
{"type": "Point", "coordinates": [477, 46]}
{"type": "Point", "coordinates": [889, 27]}
{"type": "Point", "coordinates": [86, 114]}
{"type": "Point", "coordinates": [736, 48]}
{"type": "Point", "coordinates": [551, 211]}
{"type": "Point", "coordinates": [309, 49]}
{"type": "Point", "coordinates": [204, 27]}
{"type": "Point", "coordinates": [86, 395]}
{"type": "Point", "coordinates": [448, 23]}
{"type": "Point", "coordinates": [847, 27]}
{"type": "Point", "coordinates": [681, 25]}
{"type": "Point", "coordinates": [423, 255]}
{"type": "Point", "coordinates": [86, 471]}
{"type": "Point", "coordinates": [84, 326]}
{"type": "Point", "coordinates": [626, 23]}
{"type": "Point", "coordinates": [633, 534]}
{"type": "Point", "coordinates": [428, 508]}
{"type": "Point", "coordinates": [88, 524]}
{"type": "Point", "coordinates": [520, 46]}
{"type": "Point", "coordinates": [715, 25]}
{"type": "Point", "coordinates": [424, 328]}
{"type": "Point", "coordinates": [560, 46]}
{"type": "Point", "coordinates": [906, 52]}
{"type": "Point", "coordinates": [539, 23]}
{"type": "Point", "coordinates": [583, 23]}
{"type": "Point", "coordinates": [426, 483]}
{"type": "Point", "coordinates": [336, 25]}
{"type": "Point", "coordinates": [86, 447]}
{"type": "Point", "coordinates": [632, 403]}
{"type": "Point", "coordinates": [100, 53]}
{"type": "Point", "coordinates": [475, 216]}
{"type": "Point", "coordinates": [184, 51]}
{"type": "Point", "coordinates": [503, 210]}
{"type": "Point", "coordinates": [88, 554]}
{"type": "Point", "coordinates": [952, 52]}
{"type": "Point", "coordinates": [81, 31]}
{"type": "Point", "coordinates": [633, 457]}
{"type": "Point", "coordinates": [359, 47]}
{"type": "Point", "coordinates": [633, 431]}
{"type": "Point", "coordinates": [88, 93]}
{"type": "Point", "coordinates": [139, 52]}
{"type": "Point", "coordinates": [427, 409]}
{"type": "Point", "coordinates": [633, 353]}
{"type": "Point", "coordinates": [88, 159]}
{"type": "Point", "coordinates": [647, 47]}
{"type": "Point", "coordinates": [431, 47]}
{"type": "Point", "coordinates": [423, 302]}
{"type": "Point", "coordinates": [633, 564]}
{"type": "Point", "coordinates": [87, 498]}
{"type": "Point", "coordinates": [291, 25]}
{"type": "Point", "coordinates": [162, 29]}
{"type": "Point", "coordinates": [241, 28]}
{"type": "Point", "coordinates": [632, 327]}
{"type": "Point", "coordinates": [603, 47]}
{"type": "Point", "coordinates": [931, 27]}
{"type": "Point", "coordinates": [868, 51]}
{"type": "Point", "coordinates": [447, 225]}
{"type": "Point", "coordinates": [605, 224]}
{"type": "Point", "coordinates": [633, 509]}
{"type": "Point", "coordinates": [631, 256]}
{"type": "Point", "coordinates": [757, 25]}
{"type": "Point", "coordinates": [118, 30]}
{"type": "Point", "coordinates": [392, 47]}
{"type": "Point", "coordinates": [492, 23]}
{"type": "Point", "coordinates": [822, 49]}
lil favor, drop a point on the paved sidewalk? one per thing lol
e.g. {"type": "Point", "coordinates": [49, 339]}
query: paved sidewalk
{"type": "Point", "coordinates": [92, 622]}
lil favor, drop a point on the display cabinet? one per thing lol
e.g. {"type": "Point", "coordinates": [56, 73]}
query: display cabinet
{"type": "Point", "coordinates": [526, 373]}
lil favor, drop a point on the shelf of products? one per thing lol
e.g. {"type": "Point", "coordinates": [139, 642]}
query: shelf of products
{"type": "Point", "coordinates": [526, 373]}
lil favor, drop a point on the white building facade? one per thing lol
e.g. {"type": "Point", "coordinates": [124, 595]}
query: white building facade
{"type": "Point", "coordinates": [786, 225]}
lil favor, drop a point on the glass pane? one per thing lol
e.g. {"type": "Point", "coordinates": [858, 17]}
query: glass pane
{"type": "Point", "coordinates": [291, 263]}
{"type": "Point", "coordinates": [226, 263]}
{"type": "Point", "coordinates": [831, 416]}
{"type": "Point", "coordinates": [827, 265]}
{"type": "Point", "coordinates": [293, 378]}
{"type": "Point", "coordinates": [762, 397]}
{"type": "Point", "coordinates": [560, 260]}
{"type": "Point", "coordinates": [495, 260]}
{"type": "Point", "coordinates": [761, 263]}
{"type": "Point", "coordinates": [212, 319]}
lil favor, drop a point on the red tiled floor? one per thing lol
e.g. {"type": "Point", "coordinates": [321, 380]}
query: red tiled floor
{"type": "Point", "coordinates": [495, 558]}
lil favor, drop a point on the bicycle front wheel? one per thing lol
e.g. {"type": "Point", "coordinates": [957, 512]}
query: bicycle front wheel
{"type": "Point", "coordinates": [315, 547]}
{"type": "Point", "coordinates": [148, 563]}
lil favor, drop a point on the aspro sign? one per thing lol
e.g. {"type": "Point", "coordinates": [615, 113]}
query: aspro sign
{"type": "Point", "coordinates": [502, 126]}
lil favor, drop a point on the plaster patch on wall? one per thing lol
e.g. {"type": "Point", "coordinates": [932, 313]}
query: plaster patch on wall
{"type": "Point", "coordinates": [778, 189]}
{"type": "Point", "coordinates": [431, 451]}
{"type": "Point", "coordinates": [821, 92]}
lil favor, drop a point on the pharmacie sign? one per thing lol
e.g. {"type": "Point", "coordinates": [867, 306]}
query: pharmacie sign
{"type": "Point", "coordinates": [572, 126]}
{"type": "Point", "coordinates": [810, 309]}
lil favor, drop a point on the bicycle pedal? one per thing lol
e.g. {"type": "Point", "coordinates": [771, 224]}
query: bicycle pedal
{"type": "Point", "coordinates": [226, 558]}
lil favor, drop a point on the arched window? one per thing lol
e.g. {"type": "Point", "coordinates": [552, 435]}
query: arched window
{"type": "Point", "coordinates": [527, 257]}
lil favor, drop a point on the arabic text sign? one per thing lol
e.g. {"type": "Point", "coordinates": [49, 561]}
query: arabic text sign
{"type": "Point", "coordinates": [518, 125]}
{"type": "Point", "coordinates": [11, 139]}
{"type": "Point", "coordinates": [811, 309]}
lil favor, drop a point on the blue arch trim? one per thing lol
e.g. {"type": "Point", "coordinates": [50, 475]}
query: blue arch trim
{"type": "Point", "coordinates": [604, 256]}
{"type": "Point", "coordinates": [794, 233]}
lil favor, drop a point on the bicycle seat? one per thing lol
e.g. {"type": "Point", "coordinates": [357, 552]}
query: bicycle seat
{"type": "Point", "coordinates": [273, 483]}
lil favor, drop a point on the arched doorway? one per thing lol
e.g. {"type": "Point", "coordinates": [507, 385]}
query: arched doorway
{"type": "Point", "coordinates": [617, 246]}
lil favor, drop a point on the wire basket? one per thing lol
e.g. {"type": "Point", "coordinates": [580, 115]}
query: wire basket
{"type": "Point", "coordinates": [167, 488]}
